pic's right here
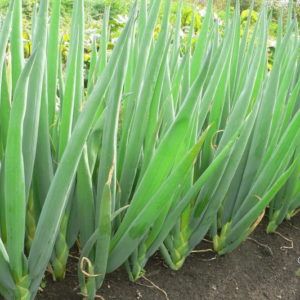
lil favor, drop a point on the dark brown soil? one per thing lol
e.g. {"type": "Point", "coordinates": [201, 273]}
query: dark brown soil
{"type": "Point", "coordinates": [262, 268]}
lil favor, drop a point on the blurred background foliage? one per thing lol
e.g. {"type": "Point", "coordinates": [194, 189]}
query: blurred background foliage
{"type": "Point", "coordinates": [95, 8]}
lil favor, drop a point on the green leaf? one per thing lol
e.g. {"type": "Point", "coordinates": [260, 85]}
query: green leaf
{"type": "Point", "coordinates": [14, 180]}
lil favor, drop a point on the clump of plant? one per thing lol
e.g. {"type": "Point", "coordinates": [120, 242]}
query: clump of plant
{"type": "Point", "coordinates": [162, 141]}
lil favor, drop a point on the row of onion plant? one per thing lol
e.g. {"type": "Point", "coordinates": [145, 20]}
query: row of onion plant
{"type": "Point", "coordinates": [162, 141]}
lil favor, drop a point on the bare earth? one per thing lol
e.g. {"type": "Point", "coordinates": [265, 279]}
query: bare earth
{"type": "Point", "coordinates": [262, 268]}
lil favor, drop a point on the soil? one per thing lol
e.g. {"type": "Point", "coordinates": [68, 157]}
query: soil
{"type": "Point", "coordinates": [262, 268]}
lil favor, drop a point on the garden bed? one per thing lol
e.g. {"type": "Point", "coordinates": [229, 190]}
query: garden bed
{"type": "Point", "coordinates": [253, 271]}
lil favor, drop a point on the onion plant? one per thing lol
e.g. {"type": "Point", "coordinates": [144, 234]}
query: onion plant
{"type": "Point", "coordinates": [137, 182]}
{"type": "Point", "coordinates": [271, 154]}
{"type": "Point", "coordinates": [159, 142]}
{"type": "Point", "coordinates": [286, 203]}
{"type": "Point", "coordinates": [23, 269]}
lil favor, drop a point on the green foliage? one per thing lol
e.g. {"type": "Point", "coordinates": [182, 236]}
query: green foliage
{"type": "Point", "coordinates": [169, 128]}
{"type": "Point", "coordinates": [188, 12]}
